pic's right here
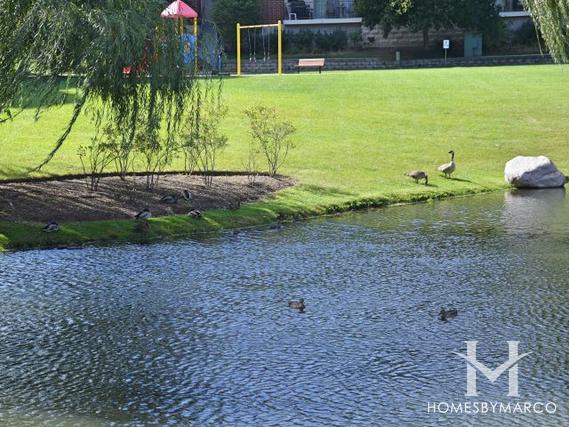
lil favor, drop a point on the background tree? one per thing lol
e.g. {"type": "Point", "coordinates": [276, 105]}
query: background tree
{"type": "Point", "coordinates": [227, 13]}
{"type": "Point", "coordinates": [481, 16]}
{"type": "Point", "coordinates": [388, 14]}
{"type": "Point", "coordinates": [551, 18]}
{"type": "Point", "coordinates": [427, 15]}
{"type": "Point", "coordinates": [42, 41]}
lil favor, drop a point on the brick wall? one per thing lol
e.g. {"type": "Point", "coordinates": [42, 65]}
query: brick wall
{"type": "Point", "coordinates": [272, 11]}
{"type": "Point", "coordinates": [377, 64]}
{"type": "Point", "coordinates": [405, 38]}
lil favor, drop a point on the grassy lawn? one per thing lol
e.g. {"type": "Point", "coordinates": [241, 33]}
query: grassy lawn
{"type": "Point", "coordinates": [358, 133]}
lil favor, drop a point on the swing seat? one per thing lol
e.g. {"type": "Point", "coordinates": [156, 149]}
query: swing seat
{"type": "Point", "coordinates": [311, 63]}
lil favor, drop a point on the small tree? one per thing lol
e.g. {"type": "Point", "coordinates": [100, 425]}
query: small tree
{"type": "Point", "coordinates": [211, 144]}
{"type": "Point", "coordinates": [189, 134]}
{"type": "Point", "coordinates": [95, 158]}
{"type": "Point", "coordinates": [190, 147]}
{"type": "Point", "coordinates": [200, 139]}
{"type": "Point", "coordinates": [251, 164]}
{"type": "Point", "coordinates": [157, 152]}
{"type": "Point", "coordinates": [210, 141]}
{"type": "Point", "coordinates": [271, 134]}
{"type": "Point", "coordinates": [122, 147]}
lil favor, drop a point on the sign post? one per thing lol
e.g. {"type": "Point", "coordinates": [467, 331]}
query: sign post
{"type": "Point", "coordinates": [446, 47]}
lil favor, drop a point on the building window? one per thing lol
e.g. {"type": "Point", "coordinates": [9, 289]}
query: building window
{"type": "Point", "coordinates": [510, 5]}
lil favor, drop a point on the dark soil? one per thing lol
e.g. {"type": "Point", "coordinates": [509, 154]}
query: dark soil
{"type": "Point", "coordinates": [67, 200]}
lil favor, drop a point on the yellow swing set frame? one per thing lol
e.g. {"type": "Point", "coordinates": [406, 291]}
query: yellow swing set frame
{"type": "Point", "coordinates": [279, 26]}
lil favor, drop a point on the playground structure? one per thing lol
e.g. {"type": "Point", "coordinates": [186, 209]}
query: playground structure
{"type": "Point", "coordinates": [179, 11]}
{"type": "Point", "coordinates": [209, 51]}
{"type": "Point", "coordinates": [266, 39]}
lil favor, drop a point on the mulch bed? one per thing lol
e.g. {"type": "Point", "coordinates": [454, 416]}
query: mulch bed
{"type": "Point", "coordinates": [67, 200]}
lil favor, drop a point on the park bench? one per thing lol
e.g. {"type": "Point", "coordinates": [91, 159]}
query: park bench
{"type": "Point", "coordinates": [311, 63]}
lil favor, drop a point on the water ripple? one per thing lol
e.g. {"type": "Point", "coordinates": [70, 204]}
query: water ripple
{"type": "Point", "coordinates": [199, 332]}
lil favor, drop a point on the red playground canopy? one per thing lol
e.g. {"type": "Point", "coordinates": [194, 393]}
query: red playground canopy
{"type": "Point", "coordinates": [178, 9]}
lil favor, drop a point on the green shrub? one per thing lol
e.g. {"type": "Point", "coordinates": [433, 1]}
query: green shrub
{"type": "Point", "coordinates": [356, 39]}
{"type": "Point", "coordinates": [298, 42]}
{"type": "Point", "coordinates": [323, 42]}
{"type": "Point", "coordinates": [307, 41]}
{"type": "Point", "coordinates": [339, 40]}
{"type": "Point", "coordinates": [271, 135]}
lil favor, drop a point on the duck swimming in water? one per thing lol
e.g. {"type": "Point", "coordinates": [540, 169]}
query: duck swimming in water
{"type": "Point", "coordinates": [445, 314]}
{"type": "Point", "coordinates": [143, 214]}
{"type": "Point", "coordinates": [51, 227]}
{"type": "Point", "coordinates": [297, 305]}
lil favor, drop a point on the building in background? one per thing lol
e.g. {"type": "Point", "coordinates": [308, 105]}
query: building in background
{"type": "Point", "coordinates": [321, 15]}
{"type": "Point", "coordinates": [513, 13]}
{"type": "Point", "coordinates": [331, 15]}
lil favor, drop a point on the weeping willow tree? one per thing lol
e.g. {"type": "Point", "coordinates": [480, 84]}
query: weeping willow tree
{"type": "Point", "coordinates": [90, 43]}
{"type": "Point", "coordinates": [552, 19]}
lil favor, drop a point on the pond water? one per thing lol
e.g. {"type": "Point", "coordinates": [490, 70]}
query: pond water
{"type": "Point", "coordinates": [199, 332]}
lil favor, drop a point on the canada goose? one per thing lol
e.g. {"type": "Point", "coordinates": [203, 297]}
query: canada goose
{"type": "Point", "coordinates": [418, 175]}
{"type": "Point", "coordinates": [143, 214]}
{"type": "Point", "coordinates": [448, 168]}
{"type": "Point", "coordinates": [297, 305]}
{"type": "Point", "coordinates": [445, 315]}
{"type": "Point", "coordinates": [187, 195]}
{"type": "Point", "coordinates": [51, 227]}
{"type": "Point", "coordinates": [170, 199]}
{"type": "Point", "coordinates": [195, 213]}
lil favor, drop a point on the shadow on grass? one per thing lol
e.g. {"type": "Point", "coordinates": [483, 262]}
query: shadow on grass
{"type": "Point", "coordinates": [12, 172]}
{"type": "Point", "coordinates": [325, 191]}
{"type": "Point", "coordinates": [16, 173]}
{"type": "Point", "coordinates": [458, 179]}
{"type": "Point", "coordinates": [40, 92]}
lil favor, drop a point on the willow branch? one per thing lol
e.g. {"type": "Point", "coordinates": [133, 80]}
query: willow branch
{"type": "Point", "coordinates": [76, 113]}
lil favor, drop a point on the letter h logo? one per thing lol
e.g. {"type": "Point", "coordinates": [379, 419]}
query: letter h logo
{"type": "Point", "coordinates": [510, 365]}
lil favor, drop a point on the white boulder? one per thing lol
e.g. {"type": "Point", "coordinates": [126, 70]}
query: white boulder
{"type": "Point", "coordinates": [533, 172]}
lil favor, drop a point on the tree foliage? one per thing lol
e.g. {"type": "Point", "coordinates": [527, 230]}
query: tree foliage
{"type": "Point", "coordinates": [41, 41]}
{"type": "Point", "coordinates": [552, 19]}
{"type": "Point", "coordinates": [201, 139]}
{"type": "Point", "coordinates": [227, 13]}
{"type": "Point", "coordinates": [271, 134]}
{"type": "Point", "coordinates": [427, 15]}
{"type": "Point", "coordinates": [388, 14]}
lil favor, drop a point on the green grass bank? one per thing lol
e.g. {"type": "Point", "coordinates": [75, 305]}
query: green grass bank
{"type": "Point", "coordinates": [358, 133]}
